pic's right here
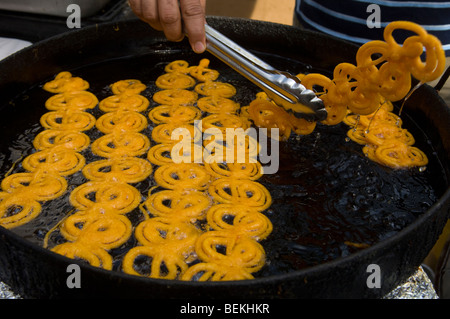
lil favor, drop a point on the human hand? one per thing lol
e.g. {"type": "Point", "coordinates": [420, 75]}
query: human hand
{"type": "Point", "coordinates": [175, 18]}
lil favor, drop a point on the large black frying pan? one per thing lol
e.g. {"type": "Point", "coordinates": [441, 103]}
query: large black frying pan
{"type": "Point", "coordinates": [130, 49]}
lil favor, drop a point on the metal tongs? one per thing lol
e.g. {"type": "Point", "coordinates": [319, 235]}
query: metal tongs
{"type": "Point", "coordinates": [283, 88]}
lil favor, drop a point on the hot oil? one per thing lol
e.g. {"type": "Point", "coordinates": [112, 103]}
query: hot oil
{"type": "Point", "coordinates": [329, 200]}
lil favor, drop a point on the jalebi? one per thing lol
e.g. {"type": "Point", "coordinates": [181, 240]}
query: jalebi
{"type": "Point", "coordinates": [178, 205]}
{"type": "Point", "coordinates": [65, 82]}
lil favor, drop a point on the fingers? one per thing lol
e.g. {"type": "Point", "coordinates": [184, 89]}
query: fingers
{"type": "Point", "coordinates": [175, 18]}
{"type": "Point", "coordinates": [193, 13]}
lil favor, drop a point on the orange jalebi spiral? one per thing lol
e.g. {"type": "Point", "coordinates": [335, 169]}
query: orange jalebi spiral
{"type": "Point", "coordinates": [396, 154]}
{"type": "Point", "coordinates": [178, 205]}
{"type": "Point", "coordinates": [216, 104]}
{"type": "Point", "coordinates": [174, 114]}
{"type": "Point", "coordinates": [174, 80]}
{"type": "Point", "coordinates": [179, 66]}
{"type": "Point", "coordinates": [223, 122]}
{"type": "Point", "coordinates": [127, 170]}
{"type": "Point", "coordinates": [94, 255]}
{"type": "Point", "coordinates": [237, 147]}
{"type": "Point", "coordinates": [202, 73]}
{"type": "Point", "coordinates": [122, 144]}
{"type": "Point", "coordinates": [126, 121]}
{"type": "Point", "coordinates": [128, 87]}
{"type": "Point", "coordinates": [63, 162]}
{"type": "Point", "coordinates": [241, 221]}
{"type": "Point", "coordinates": [61, 139]}
{"type": "Point", "coordinates": [106, 230]}
{"type": "Point", "coordinates": [182, 176]}
{"type": "Point", "coordinates": [161, 154]}
{"type": "Point", "coordinates": [17, 210]}
{"type": "Point", "coordinates": [71, 121]}
{"type": "Point", "coordinates": [39, 186]}
{"type": "Point", "coordinates": [251, 171]}
{"type": "Point", "coordinates": [239, 251]}
{"type": "Point", "coordinates": [169, 133]}
{"type": "Point", "coordinates": [175, 97]}
{"type": "Point", "coordinates": [380, 132]}
{"type": "Point", "coordinates": [213, 88]}
{"type": "Point", "coordinates": [73, 100]}
{"type": "Point", "coordinates": [120, 197]}
{"type": "Point", "coordinates": [240, 192]}
{"type": "Point", "coordinates": [124, 102]}
{"type": "Point", "coordinates": [169, 246]}
{"type": "Point", "coordinates": [268, 115]}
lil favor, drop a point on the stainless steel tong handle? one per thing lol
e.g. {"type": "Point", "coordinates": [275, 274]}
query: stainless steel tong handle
{"type": "Point", "coordinates": [283, 88]}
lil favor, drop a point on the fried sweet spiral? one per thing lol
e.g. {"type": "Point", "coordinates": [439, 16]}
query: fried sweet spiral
{"type": "Point", "coordinates": [251, 171]}
{"type": "Point", "coordinates": [161, 154]}
{"type": "Point", "coordinates": [238, 220]}
{"type": "Point", "coordinates": [163, 133]}
{"type": "Point", "coordinates": [175, 80]}
{"type": "Point", "coordinates": [175, 97]}
{"type": "Point", "coordinates": [73, 100]}
{"type": "Point", "coordinates": [243, 149]}
{"type": "Point", "coordinates": [122, 144]}
{"type": "Point", "coordinates": [103, 196]}
{"type": "Point", "coordinates": [216, 104]}
{"type": "Point", "coordinates": [242, 252]}
{"type": "Point", "coordinates": [106, 231]}
{"type": "Point", "coordinates": [396, 154]}
{"type": "Point", "coordinates": [61, 139]}
{"type": "Point", "coordinates": [178, 205]}
{"type": "Point", "coordinates": [174, 114]}
{"type": "Point", "coordinates": [126, 170]}
{"type": "Point", "coordinates": [268, 115]}
{"type": "Point", "coordinates": [64, 162]}
{"type": "Point", "coordinates": [202, 73]}
{"type": "Point", "coordinates": [223, 122]}
{"type": "Point", "coordinates": [182, 176]}
{"type": "Point", "coordinates": [17, 210]}
{"type": "Point", "coordinates": [124, 121]}
{"type": "Point", "coordinates": [168, 245]}
{"type": "Point", "coordinates": [68, 121]}
{"type": "Point", "coordinates": [213, 88]}
{"type": "Point", "coordinates": [128, 87]}
{"type": "Point", "coordinates": [124, 102]}
{"type": "Point", "coordinates": [240, 192]}
{"type": "Point", "coordinates": [65, 82]}
{"type": "Point", "coordinates": [95, 256]}
{"type": "Point", "coordinates": [179, 66]}
{"type": "Point", "coordinates": [380, 133]}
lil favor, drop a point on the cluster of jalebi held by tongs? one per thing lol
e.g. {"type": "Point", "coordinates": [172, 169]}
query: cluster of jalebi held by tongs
{"type": "Point", "coordinates": [361, 95]}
